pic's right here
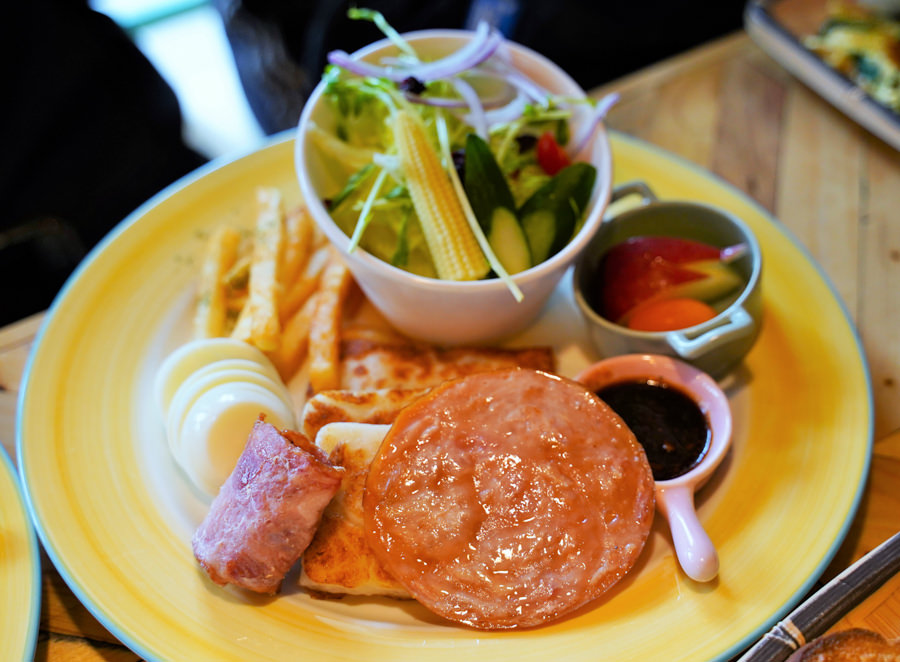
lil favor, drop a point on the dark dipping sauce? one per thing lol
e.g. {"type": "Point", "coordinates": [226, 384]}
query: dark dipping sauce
{"type": "Point", "coordinates": [668, 424]}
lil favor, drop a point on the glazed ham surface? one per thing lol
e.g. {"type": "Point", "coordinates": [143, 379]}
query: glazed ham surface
{"type": "Point", "coordinates": [508, 499]}
{"type": "Point", "coordinates": [267, 511]}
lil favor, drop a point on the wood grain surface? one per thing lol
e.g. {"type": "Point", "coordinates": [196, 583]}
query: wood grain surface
{"type": "Point", "coordinates": [728, 108]}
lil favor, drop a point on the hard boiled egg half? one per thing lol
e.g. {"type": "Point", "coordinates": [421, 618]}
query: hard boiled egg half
{"type": "Point", "coordinates": [209, 393]}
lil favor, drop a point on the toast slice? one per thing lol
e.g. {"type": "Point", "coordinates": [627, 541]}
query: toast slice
{"type": "Point", "coordinates": [338, 560]}
{"type": "Point", "coordinates": [377, 407]}
{"type": "Point", "coordinates": [372, 364]}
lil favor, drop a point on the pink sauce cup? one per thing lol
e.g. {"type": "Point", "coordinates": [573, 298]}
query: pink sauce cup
{"type": "Point", "coordinates": [675, 497]}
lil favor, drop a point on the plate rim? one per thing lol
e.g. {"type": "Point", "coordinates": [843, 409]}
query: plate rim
{"type": "Point", "coordinates": [38, 527]}
{"type": "Point", "coordinates": [807, 586]}
{"type": "Point", "coordinates": [276, 140]}
{"type": "Point", "coordinates": [33, 612]}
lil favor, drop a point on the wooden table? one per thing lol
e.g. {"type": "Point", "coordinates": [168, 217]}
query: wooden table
{"type": "Point", "coordinates": [730, 109]}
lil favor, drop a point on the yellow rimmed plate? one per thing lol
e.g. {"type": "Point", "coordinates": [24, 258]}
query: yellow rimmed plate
{"type": "Point", "coordinates": [116, 516]}
{"type": "Point", "coordinates": [20, 569]}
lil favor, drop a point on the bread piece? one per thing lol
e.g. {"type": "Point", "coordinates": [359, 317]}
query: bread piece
{"type": "Point", "coordinates": [854, 645]}
{"type": "Point", "coordinates": [368, 364]}
{"type": "Point", "coordinates": [381, 374]}
{"type": "Point", "coordinates": [338, 560]}
{"type": "Point", "coordinates": [340, 406]}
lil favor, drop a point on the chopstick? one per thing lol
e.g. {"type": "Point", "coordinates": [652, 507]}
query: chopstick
{"type": "Point", "coordinates": [829, 604]}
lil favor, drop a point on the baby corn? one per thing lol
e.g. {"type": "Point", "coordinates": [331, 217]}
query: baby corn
{"type": "Point", "coordinates": [453, 247]}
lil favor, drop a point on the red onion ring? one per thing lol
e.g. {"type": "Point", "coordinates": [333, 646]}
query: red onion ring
{"type": "Point", "coordinates": [494, 101]}
{"type": "Point", "coordinates": [476, 109]}
{"type": "Point", "coordinates": [462, 60]}
{"type": "Point", "coordinates": [437, 102]}
{"type": "Point", "coordinates": [485, 41]}
{"type": "Point", "coordinates": [508, 113]}
{"type": "Point", "coordinates": [360, 68]}
{"type": "Point", "coordinates": [598, 114]}
{"type": "Point", "coordinates": [502, 66]}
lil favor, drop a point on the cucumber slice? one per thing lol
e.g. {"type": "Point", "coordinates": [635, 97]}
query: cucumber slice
{"type": "Point", "coordinates": [507, 239]}
{"type": "Point", "coordinates": [493, 205]}
{"type": "Point", "coordinates": [551, 215]}
{"type": "Point", "coordinates": [540, 231]}
{"type": "Point", "coordinates": [485, 185]}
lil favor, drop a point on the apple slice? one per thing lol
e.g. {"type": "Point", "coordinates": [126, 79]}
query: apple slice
{"type": "Point", "coordinates": [643, 268]}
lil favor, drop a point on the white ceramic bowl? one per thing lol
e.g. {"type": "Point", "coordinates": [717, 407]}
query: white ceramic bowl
{"type": "Point", "coordinates": [449, 312]}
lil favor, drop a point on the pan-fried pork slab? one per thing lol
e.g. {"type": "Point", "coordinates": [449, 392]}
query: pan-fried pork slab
{"type": "Point", "coordinates": [267, 511]}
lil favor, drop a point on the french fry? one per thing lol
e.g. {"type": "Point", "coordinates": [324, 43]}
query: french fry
{"type": "Point", "coordinates": [304, 285]}
{"type": "Point", "coordinates": [298, 243]}
{"type": "Point", "coordinates": [235, 303]}
{"type": "Point", "coordinates": [294, 341]}
{"type": "Point", "coordinates": [212, 306]}
{"type": "Point", "coordinates": [237, 277]}
{"type": "Point", "coordinates": [324, 330]}
{"type": "Point", "coordinates": [259, 322]}
{"type": "Point", "coordinates": [285, 289]}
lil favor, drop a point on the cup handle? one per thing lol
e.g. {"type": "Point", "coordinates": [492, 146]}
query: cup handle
{"type": "Point", "coordinates": [695, 551]}
{"type": "Point", "coordinates": [739, 324]}
{"type": "Point", "coordinates": [633, 188]}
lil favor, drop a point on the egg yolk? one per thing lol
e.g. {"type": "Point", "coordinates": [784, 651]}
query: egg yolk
{"type": "Point", "coordinates": [669, 314]}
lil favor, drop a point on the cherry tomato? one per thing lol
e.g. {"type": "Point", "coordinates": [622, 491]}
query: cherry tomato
{"type": "Point", "coordinates": [550, 156]}
{"type": "Point", "coordinates": [669, 314]}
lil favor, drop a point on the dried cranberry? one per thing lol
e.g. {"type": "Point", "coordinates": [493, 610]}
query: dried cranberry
{"type": "Point", "coordinates": [526, 142]}
{"type": "Point", "coordinates": [459, 162]}
{"type": "Point", "coordinates": [412, 85]}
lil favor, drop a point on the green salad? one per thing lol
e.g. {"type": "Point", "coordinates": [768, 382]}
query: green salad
{"type": "Point", "coordinates": [462, 145]}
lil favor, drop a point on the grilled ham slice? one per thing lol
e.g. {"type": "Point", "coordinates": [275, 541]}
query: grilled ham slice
{"type": "Point", "coordinates": [381, 375]}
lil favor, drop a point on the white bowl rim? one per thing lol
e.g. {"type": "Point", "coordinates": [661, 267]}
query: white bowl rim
{"type": "Point", "coordinates": [561, 259]}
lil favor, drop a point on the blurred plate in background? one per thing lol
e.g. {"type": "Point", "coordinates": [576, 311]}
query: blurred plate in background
{"type": "Point", "coordinates": [779, 28]}
{"type": "Point", "coordinates": [20, 572]}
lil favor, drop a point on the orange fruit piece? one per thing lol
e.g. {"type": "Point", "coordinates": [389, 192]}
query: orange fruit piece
{"type": "Point", "coordinates": [669, 314]}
